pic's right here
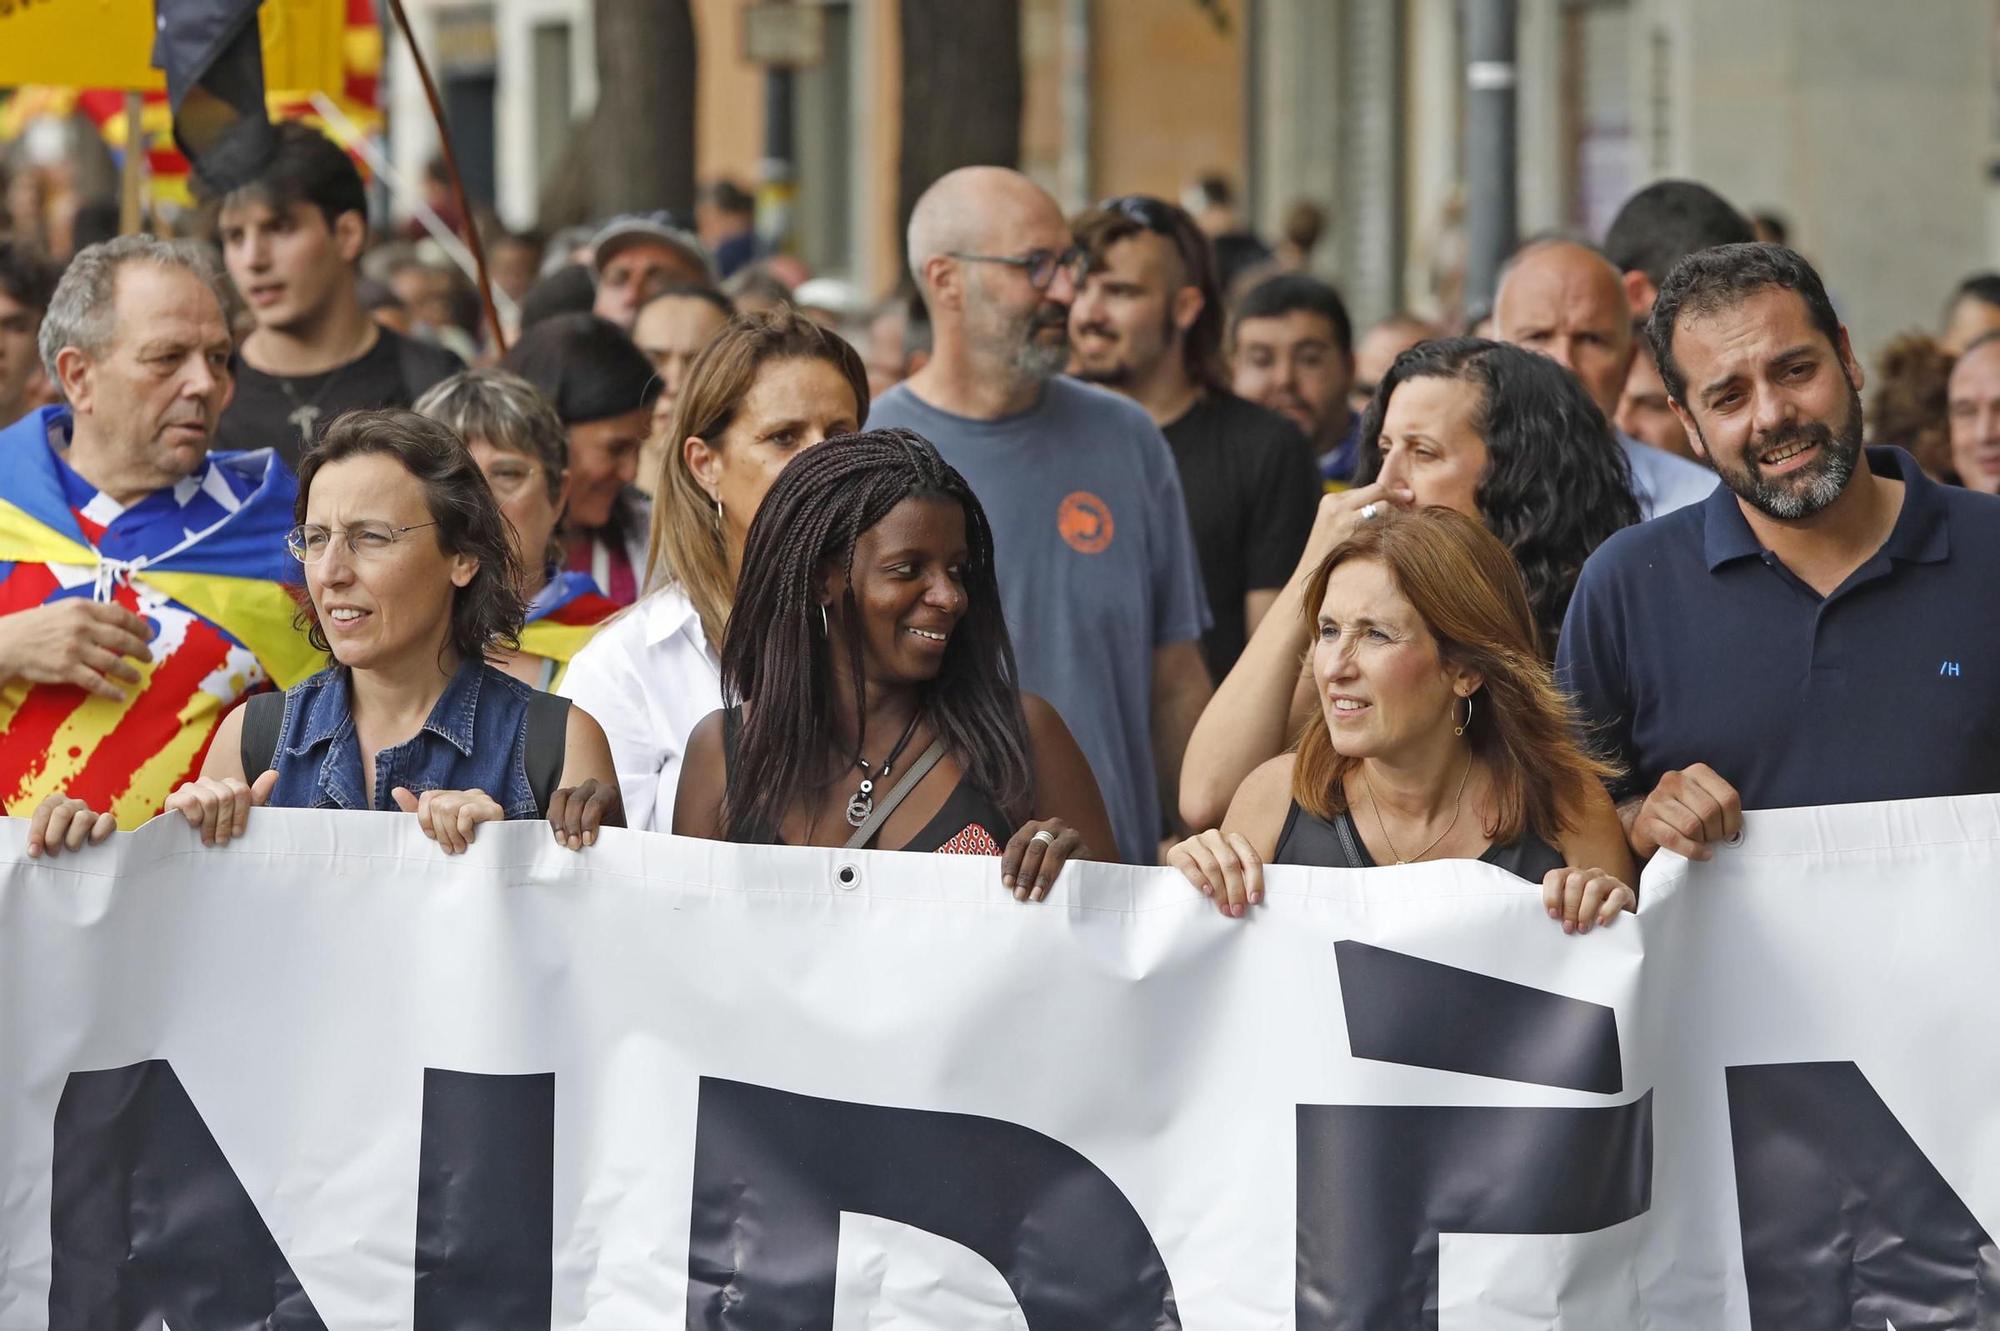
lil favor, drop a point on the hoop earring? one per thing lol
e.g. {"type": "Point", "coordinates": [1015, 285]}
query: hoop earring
{"type": "Point", "coordinates": [718, 512]}
{"type": "Point", "coordinates": [1460, 728]}
{"type": "Point", "coordinates": [825, 629]}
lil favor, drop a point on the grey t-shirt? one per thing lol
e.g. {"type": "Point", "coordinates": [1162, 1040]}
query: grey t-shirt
{"type": "Point", "coordinates": [1097, 568]}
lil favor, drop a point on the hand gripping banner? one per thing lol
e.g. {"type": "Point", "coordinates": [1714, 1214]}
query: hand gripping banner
{"type": "Point", "coordinates": [331, 1078]}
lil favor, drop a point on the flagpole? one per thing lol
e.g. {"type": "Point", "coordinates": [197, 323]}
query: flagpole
{"type": "Point", "coordinates": [472, 240]}
{"type": "Point", "coordinates": [131, 212]}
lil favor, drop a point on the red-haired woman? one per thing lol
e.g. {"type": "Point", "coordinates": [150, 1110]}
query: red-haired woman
{"type": "Point", "coordinates": [1441, 735]}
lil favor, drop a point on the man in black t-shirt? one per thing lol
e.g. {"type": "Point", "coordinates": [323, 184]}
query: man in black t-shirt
{"type": "Point", "coordinates": [291, 239]}
{"type": "Point", "coordinates": [1148, 323]}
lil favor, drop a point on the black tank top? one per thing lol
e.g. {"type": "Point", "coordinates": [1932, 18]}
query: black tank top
{"type": "Point", "coordinates": [1337, 845]}
{"type": "Point", "coordinates": [969, 823]}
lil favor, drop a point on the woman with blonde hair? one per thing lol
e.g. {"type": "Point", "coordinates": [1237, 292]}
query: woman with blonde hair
{"type": "Point", "coordinates": [1440, 734]}
{"type": "Point", "coordinates": [766, 387]}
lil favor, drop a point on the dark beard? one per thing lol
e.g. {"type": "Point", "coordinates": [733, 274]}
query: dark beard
{"type": "Point", "coordinates": [1810, 490]}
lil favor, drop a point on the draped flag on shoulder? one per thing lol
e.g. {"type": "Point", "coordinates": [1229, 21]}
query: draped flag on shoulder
{"type": "Point", "coordinates": [563, 617]}
{"type": "Point", "coordinates": [213, 582]}
{"type": "Point", "coordinates": [214, 64]}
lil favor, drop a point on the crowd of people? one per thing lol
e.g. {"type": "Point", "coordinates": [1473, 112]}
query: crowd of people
{"type": "Point", "coordinates": [1108, 536]}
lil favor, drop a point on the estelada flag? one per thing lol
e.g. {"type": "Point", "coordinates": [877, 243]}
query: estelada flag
{"type": "Point", "coordinates": [565, 615]}
{"type": "Point", "coordinates": [214, 62]}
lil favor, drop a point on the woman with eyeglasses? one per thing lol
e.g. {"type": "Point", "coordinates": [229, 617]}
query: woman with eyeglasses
{"type": "Point", "coordinates": [520, 445]}
{"type": "Point", "coordinates": [410, 586]}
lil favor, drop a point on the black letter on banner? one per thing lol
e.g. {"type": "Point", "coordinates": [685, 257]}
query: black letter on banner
{"type": "Point", "coordinates": [486, 1202]}
{"type": "Point", "coordinates": [1845, 1222]}
{"type": "Point", "coordinates": [1379, 1183]}
{"type": "Point", "coordinates": [149, 1222]}
{"type": "Point", "coordinates": [773, 1171]}
{"type": "Point", "coordinates": [1403, 1009]}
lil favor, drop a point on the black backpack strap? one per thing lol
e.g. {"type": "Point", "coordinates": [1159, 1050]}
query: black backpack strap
{"type": "Point", "coordinates": [263, 720]}
{"type": "Point", "coordinates": [547, 745]}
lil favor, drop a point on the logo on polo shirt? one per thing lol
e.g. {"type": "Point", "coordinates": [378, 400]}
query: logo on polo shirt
{"type": "Point", "coordinates": [1949, 668]}
{"type": "Point", "coordinates": [1085, 522]}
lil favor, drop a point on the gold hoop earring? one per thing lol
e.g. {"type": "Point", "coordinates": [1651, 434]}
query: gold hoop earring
{"type": "Point", "coordinates": [1460, 728]}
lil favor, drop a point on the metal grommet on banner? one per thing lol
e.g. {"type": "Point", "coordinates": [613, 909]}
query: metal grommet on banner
{"type": "Point", "coordinates": [848, 877]}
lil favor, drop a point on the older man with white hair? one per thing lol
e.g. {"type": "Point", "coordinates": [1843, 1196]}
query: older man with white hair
{"type": "Point", "coordinates": [1097, 562]}
{"type": "Point", "coordinates": [140, 572]}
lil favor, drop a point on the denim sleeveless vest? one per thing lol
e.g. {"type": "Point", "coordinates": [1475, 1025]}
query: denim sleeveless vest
{"type": "Point", "coordinates": [474, 739]}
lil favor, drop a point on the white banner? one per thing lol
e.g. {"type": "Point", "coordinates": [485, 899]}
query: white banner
{"type": "Point", "coordinates": [329, 1077]}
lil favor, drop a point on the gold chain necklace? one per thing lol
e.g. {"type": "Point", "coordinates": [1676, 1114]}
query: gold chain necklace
{"type": "Point", "coordinates": [1457, 803]}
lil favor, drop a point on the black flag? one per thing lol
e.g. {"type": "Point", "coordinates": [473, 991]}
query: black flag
{"type": "Point", "coordinates": [214, 63]}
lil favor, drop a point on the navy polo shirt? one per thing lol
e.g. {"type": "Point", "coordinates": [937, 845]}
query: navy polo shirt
{"type": "Point", "coordinates": [1688, 642]}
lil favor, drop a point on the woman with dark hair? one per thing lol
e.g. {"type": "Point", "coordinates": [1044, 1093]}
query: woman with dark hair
{"type": "Point", "coordinates": [410, 586]}
{"type": "Point", "coordinates": [1506, 437]}
{"type": "Point", "coordinates": [518, 441]}
{"type": "Point", "coordinates": [766, 388]}
{"type": "Point", "coordinates": [870, 683]}
{"type": "Point", "coordinates": [1440, 735]}
{"type": "Point", "coordinates": [603, 388]}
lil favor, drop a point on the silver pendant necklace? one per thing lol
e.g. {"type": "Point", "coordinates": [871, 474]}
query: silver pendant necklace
{"type": "Point", "coordinates": [862, 802]}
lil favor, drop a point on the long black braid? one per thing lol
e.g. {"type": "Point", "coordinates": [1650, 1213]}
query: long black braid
{"type": "Point", "coordinates": [776, 657]}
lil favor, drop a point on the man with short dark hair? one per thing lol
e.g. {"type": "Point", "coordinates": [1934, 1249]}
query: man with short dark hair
{"type": "Point", "coordinates": [1148, 324]}
{"type": "Point", "coordinates": [1644, 410]}
{"type": "Point", "coordinates": [1972, 312]}
{"type": "Point", "coordinates": [292, 239]}
{"type": "Point", "coordinates": [1291, 348]}
{"type": "Point", "coordinates": [1097, 565]}
{"type": "Point", "coordinates": [1562, 298]}
{"type": "Point", "coordinates": [1819, 630]}
{"type": "Point", "coordinates": [140, 572]}
{"type": "Point", "coordinates": [26, 283]}
{"type": "Point", "coordinates": [1654, 230]}
{"type": "Point", "coordinates": [1661, 225]}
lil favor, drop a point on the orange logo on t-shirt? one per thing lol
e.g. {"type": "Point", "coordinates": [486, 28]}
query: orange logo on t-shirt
{"type": "Point", "coordinates": [1085, 522]}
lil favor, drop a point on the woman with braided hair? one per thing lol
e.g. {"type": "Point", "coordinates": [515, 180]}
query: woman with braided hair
{"type": "Point", "coordinates": [765, 389]}
{"type": "Point", "coordinates": [869, 684]}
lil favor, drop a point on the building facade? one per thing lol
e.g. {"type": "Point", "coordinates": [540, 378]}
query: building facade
{"type": "Point", "coordinates": [1870, 126]}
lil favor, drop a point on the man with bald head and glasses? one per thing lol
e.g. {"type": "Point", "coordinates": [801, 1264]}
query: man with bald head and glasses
{"type": "Point", "coordinates": [1148, 323]}
{"type": "Point", "coordinates": [1096, 559]}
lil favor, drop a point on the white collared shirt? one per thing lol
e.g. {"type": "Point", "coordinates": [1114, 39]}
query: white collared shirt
{"type": "Point", "coordinates": [649, 676]}
{"type": "Point", "coordinates": [1663, 481]}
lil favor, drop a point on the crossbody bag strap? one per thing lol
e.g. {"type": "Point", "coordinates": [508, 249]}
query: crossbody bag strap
{"type": "Point", "coordinates": [918, 771]}
{"type": "Point", "coordinates": [1350, 840]}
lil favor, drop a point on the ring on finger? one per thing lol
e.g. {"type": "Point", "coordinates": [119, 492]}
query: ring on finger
{"type": "Point", "coordinates": [1046, 837]}
{"type": "Point", "coordinates": [1370, 511]}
